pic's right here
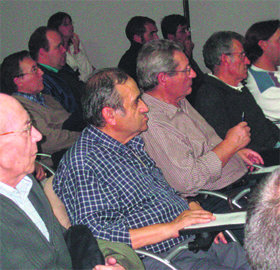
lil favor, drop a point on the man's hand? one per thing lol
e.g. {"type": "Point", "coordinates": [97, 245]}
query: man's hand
{"type": "Point", "coordinates": [110, 264]}
{"type": "Point", "coordinates": [220, 238]}
{"type": "Point", "coordinates": [190, 217]}
{"type": "Point", "coordinates": [250, 157]}
{"type": "Point", "coordinates": [39, 172]}
{"type": "Point", "coordinates": [239, 136]}
{"type": "Point", "coordinates": [76, 43]}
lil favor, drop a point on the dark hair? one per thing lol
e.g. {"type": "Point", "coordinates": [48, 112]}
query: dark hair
{"type": "Point", "coordinates": [154, 57]}
{"type": "Point", "coordinates": [57, 19]}
{"type": "Point", "coordinates": [10, 68]}
{"type": "Point", "coordinates": [136, 26]}
{"type": "Point", "coordinates": [101, 92]}
{"type": "Point", "coordinates": [37, 41]}
{"type": "Point", "coordinates": [170, 23]}
{"type": "Point", "coordinates": [258, 31]}
{"type": "Point", "coordinates": [219, 43]}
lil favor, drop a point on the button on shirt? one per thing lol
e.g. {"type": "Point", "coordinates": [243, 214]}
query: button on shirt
{"type": "Point", "coordinates": [112, 187]}
{"type": "Point", "coordinates": [180, 141]}
{"type": "Point", "coordinates": [19, 195]}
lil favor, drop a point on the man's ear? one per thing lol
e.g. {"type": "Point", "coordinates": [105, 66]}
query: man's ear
{"type": "Point", "coordinates": [109, 115]}
{"type": "Point", "coordinates": [171, 37]}
{"type": "Point", "coordinates": [224, 59]}
{"type": "Point", "coordinates": [17, 81]}
{"type": "Point", "coordinates": [42, 52]}
{"type": "Point", "coordinates": [262, 44]}
{"type": "Point", "coordinates": [162, 78]}
{"type": "Point", "coordinates": [137, 39]}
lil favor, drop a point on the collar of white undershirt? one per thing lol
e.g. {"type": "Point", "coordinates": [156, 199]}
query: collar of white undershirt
{"type": "Point", "coordinates": [237, 88]}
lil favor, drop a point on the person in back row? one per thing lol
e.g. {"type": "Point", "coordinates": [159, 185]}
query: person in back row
{"type": "Point", "coordinates": [224, 101]}
{"type": "Point", "coordinates": [76, 56]}
{"type": "Point", "coordinates": [187, 149]}
{"type": "Point", "coordinates": [139, 30]}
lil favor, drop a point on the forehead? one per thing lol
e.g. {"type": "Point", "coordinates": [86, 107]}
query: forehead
{"type": "Point", "coordinates": [27, 63]}
{"type": "Point", "coordinates": [53, 37]}
{"type": "Point", "coordinates": [128, 90]}
{"type": "Point", "coordinates": [276, 35]}
{"type": "Point", "coordinates": [66, 20]}
{"type": "Point", "coordinates": [181, 59]}
{"type": "Point", "coordinates": [183, 27]}
{"type": "Point", "coordinates": [150, 28]}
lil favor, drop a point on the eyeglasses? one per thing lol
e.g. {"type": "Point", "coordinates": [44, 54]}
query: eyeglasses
{"type": "Point", "coordinates": [28, 129]}
{"type": "Point", "coordinates": [34, 70]}
{"type": "Point", "coordinates": [242, 55]}
{"type": "Point", "coordinates": [187, 70]}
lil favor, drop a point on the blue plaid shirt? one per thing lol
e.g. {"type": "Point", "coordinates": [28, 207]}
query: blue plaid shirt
{"type": "Point", "coordinates": [112, 187]}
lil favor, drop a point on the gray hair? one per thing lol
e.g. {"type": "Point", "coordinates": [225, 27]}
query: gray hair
{"type": "Point", "coordinates": [262, 231]}
{"type": "Point", "coordinates": [101, 92]}
{"type": "Point", "coordinates": [219, 43]}
{"type": "Point", "coordinates": [156, 56]}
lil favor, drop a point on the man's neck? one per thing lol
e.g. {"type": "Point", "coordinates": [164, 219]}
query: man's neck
{"type": "Point", "coordinates": [165, 97]}
{"type": "Point", "coordinates": [225, 77]}
{"type": "Point", "coordinates": [265, 63]}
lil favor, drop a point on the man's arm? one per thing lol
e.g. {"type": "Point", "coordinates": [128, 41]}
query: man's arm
{"type": "Point", "coordinates": [159, 232]}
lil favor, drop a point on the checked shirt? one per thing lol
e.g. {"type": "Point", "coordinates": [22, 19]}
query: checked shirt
{"type": "Point", "coordinates": [112, 187]}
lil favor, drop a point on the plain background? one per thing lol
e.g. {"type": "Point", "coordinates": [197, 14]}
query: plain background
{"type": "Point", "coordinates": [101, 23]}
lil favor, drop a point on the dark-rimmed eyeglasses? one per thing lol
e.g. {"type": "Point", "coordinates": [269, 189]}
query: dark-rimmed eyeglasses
{"type": "Point", "coordinates": [187, 70]}
{"type": "Point", "coordinates": [28, 129]}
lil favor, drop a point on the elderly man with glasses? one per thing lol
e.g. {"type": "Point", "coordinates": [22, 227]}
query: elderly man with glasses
{"type": "Point", "coordinates": [223, 100]}
{"type": "Point", "coordinates": [186, 148]}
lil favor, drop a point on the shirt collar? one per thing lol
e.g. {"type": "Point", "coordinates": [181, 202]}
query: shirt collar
{"type": "Point", "coordinates": [38, 98]}
{"type": "Point", "coordinates": [237, 88]}
{"type": "Point", "coordinates": [50, 68]}
{"type": "Point", "coordinates": [20, 192]}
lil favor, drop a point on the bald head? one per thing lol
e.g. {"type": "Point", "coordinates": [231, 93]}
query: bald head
{"type": "Point", "coordinates": [9, 108]}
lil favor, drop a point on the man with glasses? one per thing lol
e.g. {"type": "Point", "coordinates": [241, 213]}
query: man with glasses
{"type": "Point", "coordinates": [176, 27]}
{"type": "Point", "coordinates": [22, 78]}
{"type": "Point", "coordinates": [184, 146]}
{"type": "Point", "coordinates": [223, 100]}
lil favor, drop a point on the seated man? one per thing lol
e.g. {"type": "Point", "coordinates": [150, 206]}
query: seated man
{"type": "Point", "coordinates": [186, 148]}
{"type": "Point", "coordinates": [139, 30]}
{"type": "Point", "coordinates": [60, 80]}
{"type": "Point", "coordinates": [176, 27]}
{"type": "Point", "coordinates": [31, 237]}
{"type": "Point", "coordinates": [21, 77]}
{"type": "Point", "coordinates": [224, 102]}
{"type": "Point", "coordinates": [263, 49]}
{"type": "Point", "coordinates": [262, 231]}
{"type": "Point", "coordinates": [109, 183]}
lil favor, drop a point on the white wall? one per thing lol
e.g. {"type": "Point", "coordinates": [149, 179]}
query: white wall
{"type": "Point", "coordinates": [100, 23]}
{"type": "Point", "coordinates": [209, 16]}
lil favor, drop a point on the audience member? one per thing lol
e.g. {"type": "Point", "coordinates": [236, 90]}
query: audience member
{"type": "Point", "coordinates": [262, 231]}
{"type": "Point", "coordinates": [76, 56]}
{"type": "Point", "coordinates": [21, 77]}
{"type": "Point", "coordinates": [222, 99]}
{"type": "Point", "coordinates": [139, 30]}
{"type": "Point", "coordinates": [109, 183]}
{"type": "Point", "coordinates": [177, 28]}
{"type": "Point", "coordinates": [60, 80]}
{"type": "Point", "coordinates": [262, 47]}
{"type": "Point", "coordinates": [31, 237]}
{"type": "Point", "coordinates": [186, 148]}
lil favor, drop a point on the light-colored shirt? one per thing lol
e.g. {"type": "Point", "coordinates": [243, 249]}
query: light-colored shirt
{"type": "Point", "coordinates": [19, 195]}
{"type": "Point", "coordinates": [181, 143]}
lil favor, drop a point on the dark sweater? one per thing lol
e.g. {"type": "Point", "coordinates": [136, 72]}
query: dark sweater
{"type": "Point", "coordinates": [222, 107]}
{"type": "Point", "coordinates": [23, 246]}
